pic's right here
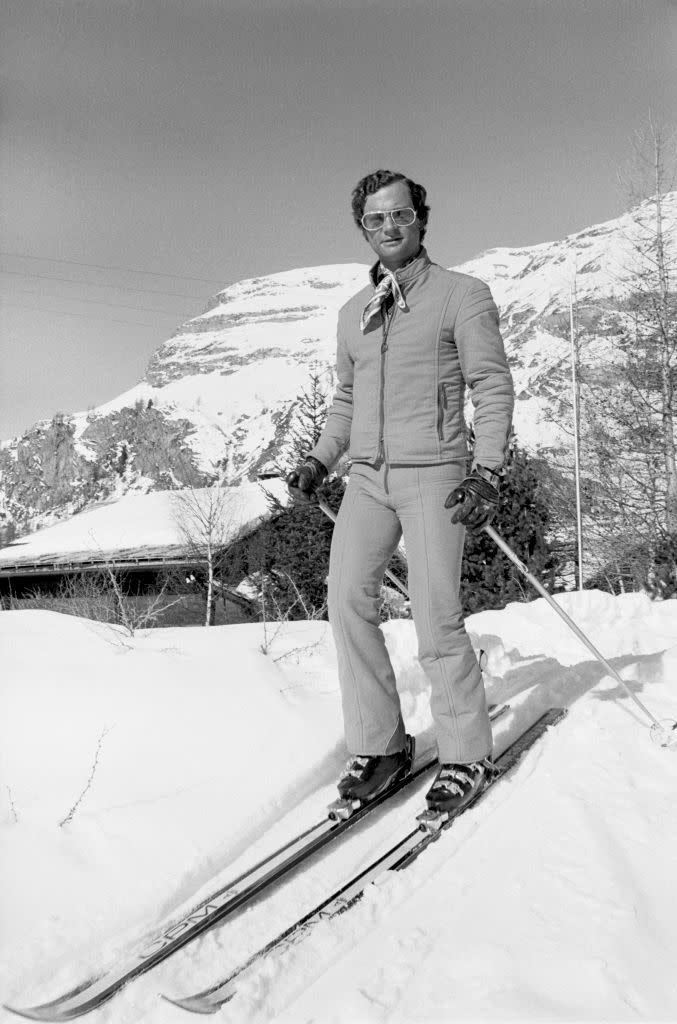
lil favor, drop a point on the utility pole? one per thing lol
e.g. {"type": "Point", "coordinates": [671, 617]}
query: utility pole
{"type": "Point", "coordinates": [576, 396]}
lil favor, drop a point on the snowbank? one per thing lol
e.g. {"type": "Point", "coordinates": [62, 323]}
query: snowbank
{"type": "Point", "coordinates": [195, 752]}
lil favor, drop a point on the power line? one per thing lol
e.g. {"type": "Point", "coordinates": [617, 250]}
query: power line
{"type": "Point", "coordinates": [102, 302]}
{"type": "Point", "coordinates": [84, 316]}
{"type": "Point", "coordinates": [93, 284]}
{"type": "Point", "coordinates": [102, 266]}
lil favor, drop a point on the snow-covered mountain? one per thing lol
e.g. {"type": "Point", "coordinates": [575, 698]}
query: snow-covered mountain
{"type": "Point", "coordinates": [218, 395]}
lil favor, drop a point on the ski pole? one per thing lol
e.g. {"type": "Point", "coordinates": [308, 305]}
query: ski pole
{"type": "Point", "coordinates": [665, 736]}
{"type": "Point", "coordinates": [391, 575]}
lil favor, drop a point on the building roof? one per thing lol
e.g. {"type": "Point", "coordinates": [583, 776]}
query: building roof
{"type": "Point", "coordinates": [160, 528]}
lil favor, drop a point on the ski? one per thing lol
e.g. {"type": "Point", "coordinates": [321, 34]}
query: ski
{"type": "Point", "coordinates": [401, 855]}
{"type": "Point", "coordinates": [159, 944]}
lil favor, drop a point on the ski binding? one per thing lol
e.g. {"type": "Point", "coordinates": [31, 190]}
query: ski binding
{"type": "Point", "coordinates": [343, 808]}
{"type": "Point", "coordinates": [432, 821]}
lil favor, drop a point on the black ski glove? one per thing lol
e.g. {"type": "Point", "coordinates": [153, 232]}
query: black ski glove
{"type": "Point", "coordinates": [475, 500]}
{"type": "Point", "coordinates": [302, 482]}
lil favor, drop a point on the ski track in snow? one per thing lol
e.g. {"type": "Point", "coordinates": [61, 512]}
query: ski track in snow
{"type": "Point", "coordinates": [553, 899]}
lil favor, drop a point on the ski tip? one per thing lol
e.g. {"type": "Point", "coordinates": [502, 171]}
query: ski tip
{"type": "Point", "coordinates": [194, 1004]}
{"type": "Point", "coordinates": [497, 711]}
{"type": "Point", "coordinates": [32, 1012]}
{"type": "Point", "coordinates": [554, 715]}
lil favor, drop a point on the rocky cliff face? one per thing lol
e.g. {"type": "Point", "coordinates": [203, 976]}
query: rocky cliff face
{"type": "Point", "coordinates": [217, 395]}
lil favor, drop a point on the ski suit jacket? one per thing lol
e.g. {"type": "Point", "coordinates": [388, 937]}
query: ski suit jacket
{"type": "Point", "coordinates": [401, 384]}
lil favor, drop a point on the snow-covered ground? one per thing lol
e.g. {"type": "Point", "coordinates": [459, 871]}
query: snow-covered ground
{"type": "Point", "coordinates": [553, 899]}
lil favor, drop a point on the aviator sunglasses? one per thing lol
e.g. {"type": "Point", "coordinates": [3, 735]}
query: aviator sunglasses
{"type": "Point", "coordinates": [402, 218]}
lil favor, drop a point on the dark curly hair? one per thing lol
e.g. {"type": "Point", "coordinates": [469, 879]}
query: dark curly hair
{"type": "Point", "coordinates": [379, 179]}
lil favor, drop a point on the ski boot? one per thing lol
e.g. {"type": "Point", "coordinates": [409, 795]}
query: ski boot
{"type": "Point", "coordinates": [454, 789]}
{"type": "Point", "coordinates": [367, 776]}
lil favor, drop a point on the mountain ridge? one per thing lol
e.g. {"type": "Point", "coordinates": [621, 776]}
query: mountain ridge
{"type": "Point", "coordinates": [217, 396]}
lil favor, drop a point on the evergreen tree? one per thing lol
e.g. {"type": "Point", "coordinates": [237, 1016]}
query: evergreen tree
{"type": "Point", "coordinates": [294, 544]}
{"type": "Point", "coordinates": [288, 556]}
{"type": "Point", "coordinates": [310, 414]}
{"type": "Point", "coordinates": [489, 580]}
{"type": "Point", "coordinates": [295, 555]}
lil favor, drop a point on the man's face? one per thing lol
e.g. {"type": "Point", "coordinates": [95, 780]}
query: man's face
{"type": "Point", "coordinates": [393, 245]}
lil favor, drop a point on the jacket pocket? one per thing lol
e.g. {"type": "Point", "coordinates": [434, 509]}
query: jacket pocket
{"type": "Point", "coordinates": [450, 413]}
{"type": "Point", "coordinates": [462, 429]}
{"type": "Point", "coordinates": [441, 409]}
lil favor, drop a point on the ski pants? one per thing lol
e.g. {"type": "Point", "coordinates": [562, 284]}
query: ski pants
{"type": "Point", "coordinates": [379, 506]}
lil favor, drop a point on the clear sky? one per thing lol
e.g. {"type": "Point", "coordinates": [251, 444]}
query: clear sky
{"type": "Point", "coordinates": [150, 143]}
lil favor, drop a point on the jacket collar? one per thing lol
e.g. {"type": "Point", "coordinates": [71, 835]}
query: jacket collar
{"type": "Point", "coordinates": [415, 266]}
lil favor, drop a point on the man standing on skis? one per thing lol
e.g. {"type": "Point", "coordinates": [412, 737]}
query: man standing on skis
{"type": "Point", "coordinates": [408, 345]}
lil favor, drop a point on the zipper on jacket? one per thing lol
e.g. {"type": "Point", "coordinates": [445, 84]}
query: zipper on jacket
{"type": "Point", "coordinates": [387, 321]}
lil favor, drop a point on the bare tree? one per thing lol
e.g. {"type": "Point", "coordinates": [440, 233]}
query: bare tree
{"type": "Point", "coordinates": [631, 406]}
{"type": "Point", "coordinates": [88, 784]}
{"type": "Point", "coordinates": [651, 344]}
{"type": "Point", "coordinates": [628, 371]}
{"type": "Point", "coordinates": [101, 595]}
{"type": "Point", "coordinates": [281, 616]}
{"type": "Point", "coordinates": [206, 521]}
